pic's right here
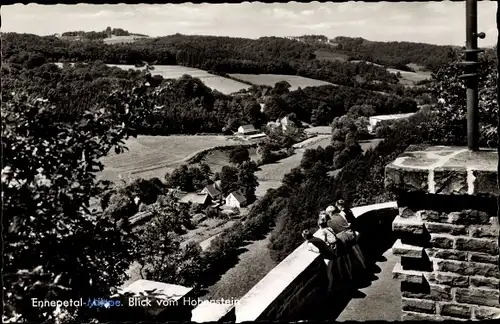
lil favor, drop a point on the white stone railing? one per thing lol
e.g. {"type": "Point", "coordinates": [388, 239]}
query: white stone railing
{"type": "Point", "coordinates": [282, 288]}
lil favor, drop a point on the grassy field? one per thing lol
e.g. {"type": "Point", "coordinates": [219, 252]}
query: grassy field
{"type": "Point", "coordinates": [276, 171]}
{"type": "Point", "coordinates": [328, 56]}
{"type": "Point", "coordinates": [123, 39]}
{"type": "Point", "coordinates": [271, 79]}
{"type": "Point", "coordinates": [411, 78]}
{"type": "Point", "coordinates": [219, 83]}
{"type": "Point", "coordinates": [319, 130]}
{"type": "Point", "coordinates": [153, 156]}
{"type": "Point", "coordinates": [217, 159]}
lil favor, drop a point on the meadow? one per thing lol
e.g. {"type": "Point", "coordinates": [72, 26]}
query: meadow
{"type": "Point", "coordinates": [217, 159]}
{"type": "Point", "coordinates": [271, 79]}
{"type": "Point", "coordinates": [216, 82]}
{"type": "Point", "coordinates": [219, 83]}
{"type": "Point", "coordinates": [153, 156]}
{"type": "Point", "coordinates": [411, 78]}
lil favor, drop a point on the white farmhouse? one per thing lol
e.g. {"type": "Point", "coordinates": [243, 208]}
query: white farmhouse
{"type": "Point", "coordinates": [247, 130]}
{"type": "Point", "coordinates": [236, 199]}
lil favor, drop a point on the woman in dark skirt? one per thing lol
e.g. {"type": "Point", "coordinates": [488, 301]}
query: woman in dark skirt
{"type": "Point", "coordinates": [320, 245]}
{"type": "Point", "coordinates": [339, 223]}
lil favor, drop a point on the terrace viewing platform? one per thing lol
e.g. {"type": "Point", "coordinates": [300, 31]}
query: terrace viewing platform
{"type": "Point", "coordinates": [444, 229]}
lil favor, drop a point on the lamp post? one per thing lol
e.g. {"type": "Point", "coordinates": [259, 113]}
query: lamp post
{"type": "Point", "coordinates": [471, 76]}
{"type": "Point", "coordinates": [498, 128]}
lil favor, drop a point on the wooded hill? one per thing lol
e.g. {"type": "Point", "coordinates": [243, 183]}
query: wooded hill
{"type": "Point", "coordinates": [222, 55]}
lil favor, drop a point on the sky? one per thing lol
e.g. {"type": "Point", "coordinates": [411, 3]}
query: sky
{"type": "Point", "coordinates": [428, 22]}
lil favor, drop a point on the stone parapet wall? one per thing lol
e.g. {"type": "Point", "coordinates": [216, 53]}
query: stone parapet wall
{"type": "Point", "coordinates": [295, 287]}
{"type": "Point", "coordinates": [448, 234]}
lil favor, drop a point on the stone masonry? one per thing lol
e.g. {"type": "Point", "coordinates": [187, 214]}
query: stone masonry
{"type": "Point", "coordinates": [448, 233]}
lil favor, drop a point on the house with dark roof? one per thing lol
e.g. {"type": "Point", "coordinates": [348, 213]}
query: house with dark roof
{"type": "Point", "coordinates": [213, 192]}
{"type": "Point", "coordinates": [236, 199]}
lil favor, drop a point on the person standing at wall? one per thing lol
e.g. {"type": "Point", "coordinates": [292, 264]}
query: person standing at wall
{"type": "Point", "coordinates": [339, 222]}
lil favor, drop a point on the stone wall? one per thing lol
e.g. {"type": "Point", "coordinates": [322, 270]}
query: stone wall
{"type": "Point", "coordinates": [295, 288]}
{"type": "Point", "coordinates": [448, 233]}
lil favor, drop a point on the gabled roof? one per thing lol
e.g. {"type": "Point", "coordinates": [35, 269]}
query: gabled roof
{"type": "Point", "coordinates": [286, 121]}
{"type": "Point", "coordinates": [194, 198]}
{"type": "Point", "coordinates": [212, 191]}
{"type": "Point", "coordinates": [238, 196]}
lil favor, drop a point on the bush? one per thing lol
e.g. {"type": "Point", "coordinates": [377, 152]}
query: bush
{"type": "Point", "coordinates": [120, 206]}
{"type": "Point", "coordinates": [146, 190]}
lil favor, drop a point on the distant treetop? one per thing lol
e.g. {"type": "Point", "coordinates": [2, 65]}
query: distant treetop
{"type": "Point", "coordinates": [107, 33]}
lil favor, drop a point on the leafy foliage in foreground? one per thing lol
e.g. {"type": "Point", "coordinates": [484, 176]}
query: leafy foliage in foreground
{"type": "Point", "coordinates": [54, 248]}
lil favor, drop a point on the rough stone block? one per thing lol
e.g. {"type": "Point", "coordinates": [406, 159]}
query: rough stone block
{"type": "Point", "coordinates": [438, 168]}
{"type": "Point", "coordinates": [486, 313]}
{"type": "Point", "coordinates": [426, 291]}
{"type": "Point", "coordinates": [407, 250]}
{"type": "Point", "coordinates": [413, 316]}
{"type": "Point", "coordinates": [440, 228]}
{"type": "Point", "coordinates": [485, 182]}
{"type": "Point", "coordinates": [412, 180]}
{"type": "Point", "coordinates": [406, 212]}
{"type": "Point", "coordinates": [489, 246]}
{"type": "Point", "coordinates": [449, 279]}
{"type": "Point", "coordinates": [483, 282]}
{"type": "Point", "coordinates": [407, 275]}
{"type": "Point", "coordinates": [446, 254]}
{"type": "Point", "coordinates": [431, 216]}
{"type": "Point", "coordinates": [483, 258]}
{"type": "Point", "coordinates": [486, 231]}
{"type": "Point", "coordinates": [419, 305]}
{"type": "Point", "coordinates": [469, 217]}
{"type": "Point", "coordinates": [408, 225]}
{"type": "Point", "coordinates": [477, 296]}
{"type": "Point", "coordinates": [467, 268]}
{"type": "Point", "coordinates": [455, 310]}
{"type": "Point", "coordinates": [442, 241]}
{"type": "Point", "coordinates": [450, 182]}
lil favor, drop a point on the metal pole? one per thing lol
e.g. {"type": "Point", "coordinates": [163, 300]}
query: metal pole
{"type": "Point", "coordinates": [498, 127]}
{"type": "Point", "coordinates": [472, 88]}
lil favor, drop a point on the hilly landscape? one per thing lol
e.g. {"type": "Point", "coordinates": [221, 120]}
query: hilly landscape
{"type": "Point", "coordinates": [108, 136]}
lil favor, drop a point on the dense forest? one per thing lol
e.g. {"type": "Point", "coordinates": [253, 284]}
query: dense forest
{"type": "Point", "coordinates": [394, 54]}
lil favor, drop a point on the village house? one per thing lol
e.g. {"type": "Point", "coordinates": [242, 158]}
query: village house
{"type": "Point", "coordinates": [236, 199]}
{"type": "Point", "coordinates": [214, 193]}
{"type": "Point", "coordinates": [247, 130]}
{"type": "Point", "coordinates": [286, 123]}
